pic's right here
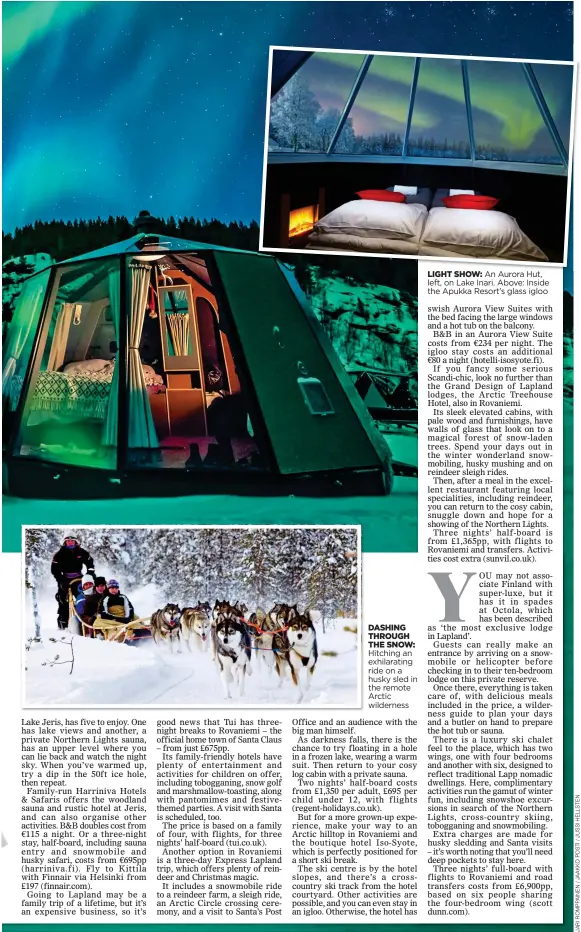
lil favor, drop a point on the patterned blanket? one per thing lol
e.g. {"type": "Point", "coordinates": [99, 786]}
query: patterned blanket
{"type": "Point", "coordinates": [77, 393]}
{"type": "Point", "coordinates": [71, 395]}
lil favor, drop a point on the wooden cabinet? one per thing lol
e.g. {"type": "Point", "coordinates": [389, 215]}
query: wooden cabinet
{"type": "Point", "coordinates": [187, 412]}
{"type": "Point", "coordinates": [160, 414]}
{"type": "Point", "coordinates": [183, 410]}
{"type": "Point", "coordinates": [179, 412]}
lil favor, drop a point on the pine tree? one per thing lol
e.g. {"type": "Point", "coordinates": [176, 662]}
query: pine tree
{"type": "Point", "coordinates": [293, 115]}
{"type": "Point", "coordinates": [256, 565]}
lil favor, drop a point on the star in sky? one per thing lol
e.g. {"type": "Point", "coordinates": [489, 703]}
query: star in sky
{"type": "Point", "coordinates": [110, 104]}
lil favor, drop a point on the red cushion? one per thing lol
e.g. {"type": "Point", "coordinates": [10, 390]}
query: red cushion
{"type": "Point", "coordinates": [381, 195]}
{"type": "Point", "coordinates": [470, 201]}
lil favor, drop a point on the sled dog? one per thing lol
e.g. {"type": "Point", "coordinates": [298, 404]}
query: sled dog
{"type": "Point", "coordinates": [225, 608]}
{"type": "Point", "coordinates": [221, 607]}
{"type": "Point", "coordinates": [232, 651]}
{"type": "Point", "coordinates": [296, 652]}
{"type": "Point", "coordinates": [259, 627]}
{"type": "Point", "coordinates": [196, 627]}
{"type": "Point", "coordinates": [268, 632]}
{"type": "Point", "coordinates": [281, 613]}
{"type": "Point", "coordinates": [165, 625]}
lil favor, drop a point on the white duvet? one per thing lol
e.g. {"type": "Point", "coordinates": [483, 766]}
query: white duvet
{"type": "Point", "coordinates": [408, 229]}
{"type": "Point", "coordinates": [476, 233]}
{"type": "Point", "coordinates": [375, 219]}
{"type": "Point", "coordinates": [98, 369]}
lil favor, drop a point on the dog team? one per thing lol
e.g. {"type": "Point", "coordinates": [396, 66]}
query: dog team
{"type": "Point", "coordinates": [284, 640]}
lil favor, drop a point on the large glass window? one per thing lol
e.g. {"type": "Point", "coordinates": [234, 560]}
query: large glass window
{"type": "Point", "coordinates": [306, 111]}
{"type": "Point", "coordinates": [556, 83]}
{"type": "Point", "coordinates": [70, 413]}
{"type": "Point", "coordinates": [377, 121]}
{"type": "Point", "coordinates": [507, 122]}
{"type": "Point", "coordinates": [188, 410]}
{"type": "Point", "coordinates": [508, 125]}
{"type": "Point", "coordinates": [439, 127]}
{"type": "Point", "coordinates": [20, 338]}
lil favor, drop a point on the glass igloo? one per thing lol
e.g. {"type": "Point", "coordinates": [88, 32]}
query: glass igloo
{"type": "Point", "coordinates": [160, 366]}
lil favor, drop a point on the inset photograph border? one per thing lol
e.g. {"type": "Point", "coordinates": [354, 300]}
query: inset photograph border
{"type": "Point", "coordinates": [190, 616]}
{"type": "Point", "coordinates": [393, 154]}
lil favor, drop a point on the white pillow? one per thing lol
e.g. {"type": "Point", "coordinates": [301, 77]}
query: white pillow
{"type": "Point", "coordinates": [405, 189]}
{"type": "Point", "coordinates": [86, 366]}
{"type": "Point", "coordinates": [454, 191]}
{"type": "Point", "coordinates": [479, 233]}
{"type": "Point", "coordinates": [374, 219]}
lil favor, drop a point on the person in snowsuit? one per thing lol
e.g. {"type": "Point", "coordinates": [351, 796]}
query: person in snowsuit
{"type": "Point", "coordinates": [88, 603]}
{"type": "Point", "coordinates": [68, 567]}
{"type": "Point", "coordinates": [101, 587]}
{"type": "Point", "coordinates": [116, 606]}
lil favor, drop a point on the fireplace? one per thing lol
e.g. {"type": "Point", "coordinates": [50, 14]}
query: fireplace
{"type": "Point", "coordinates": [302, 220]}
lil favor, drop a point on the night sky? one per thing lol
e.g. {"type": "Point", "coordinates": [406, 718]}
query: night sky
{"type": "Point", "coordinates": [504, 110]}
{"type": "Point", "coordinates": [114, 107]}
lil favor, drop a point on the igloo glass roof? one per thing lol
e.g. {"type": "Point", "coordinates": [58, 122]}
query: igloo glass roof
{"type": "Point", "coordinates": [489, 113]}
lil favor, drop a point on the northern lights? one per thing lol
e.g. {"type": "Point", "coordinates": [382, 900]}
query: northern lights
{"type": "Point", "coordinates": [504, 111]}
{"type": "Point", "coordinates": [114, 107]}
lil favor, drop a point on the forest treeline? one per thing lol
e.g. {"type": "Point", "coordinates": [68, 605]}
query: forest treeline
{"type": "Point", "coordinates": [315, 567]}
{"type": "Point", "coordinates": [65, 240]}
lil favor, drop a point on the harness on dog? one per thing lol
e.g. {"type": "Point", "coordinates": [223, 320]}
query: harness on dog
{"type": "Point", "coordinates": [304, 660]}
{"type": "Point", "coordinates": [227, 652]}
{"type": "Point", "coordinates": [274, 650]}
{"type": "Point", "coordinates": [260, 631]}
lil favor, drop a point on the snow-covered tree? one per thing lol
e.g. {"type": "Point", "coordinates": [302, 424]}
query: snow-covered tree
{"type": "Point", "coordinates": [255, 565]}
{"type": "Point", "coordinates": [346, 141]}
{"type": "Point", "coordinates": [325, 126]}
{"type": "Point", "coordinates": [293, 115]}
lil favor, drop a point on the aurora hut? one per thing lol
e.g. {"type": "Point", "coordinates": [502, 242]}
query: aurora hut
{"type": "Point", "coordinates": [157, 366]}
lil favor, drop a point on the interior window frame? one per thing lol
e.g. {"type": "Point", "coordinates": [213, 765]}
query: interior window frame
{"type": "Point", "coordinates": [190, 362]}
{"type": "Point", "coordinates": [34, 369]}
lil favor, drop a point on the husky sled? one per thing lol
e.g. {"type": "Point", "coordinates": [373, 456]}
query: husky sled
{"type": "Point", "coordinates": [123, 632]}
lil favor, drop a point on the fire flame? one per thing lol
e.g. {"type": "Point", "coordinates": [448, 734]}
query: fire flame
{"type": "Point", "coordinates": [303, 220]}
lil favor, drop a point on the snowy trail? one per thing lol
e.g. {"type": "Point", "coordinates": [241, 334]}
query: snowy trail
{"type": "Point", "coordinates": [116, 674]}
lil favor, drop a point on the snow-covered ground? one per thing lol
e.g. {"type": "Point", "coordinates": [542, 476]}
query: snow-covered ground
{"type": "Point", "coordinates": [389, 523]}
{"type": "Point", "coordinates": [106, 673]}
